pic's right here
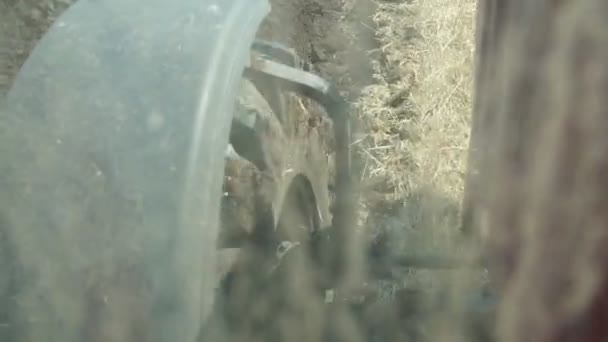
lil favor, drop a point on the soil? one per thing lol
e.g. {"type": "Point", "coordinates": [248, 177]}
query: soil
{"type": "Point", "coordinates": [334, 35]}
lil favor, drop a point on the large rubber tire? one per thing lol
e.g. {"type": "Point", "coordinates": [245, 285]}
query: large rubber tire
{"type": "Point", "coordinates": [112, 145]}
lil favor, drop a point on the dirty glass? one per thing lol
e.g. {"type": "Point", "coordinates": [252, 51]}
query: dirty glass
{"type": "Point", "coordinates": [157, 183]}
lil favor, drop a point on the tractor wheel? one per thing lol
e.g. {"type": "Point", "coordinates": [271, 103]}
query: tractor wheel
{"type": "Point", "coordinates": [112, 139]}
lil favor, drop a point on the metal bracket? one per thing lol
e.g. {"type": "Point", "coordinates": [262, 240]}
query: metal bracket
{"type": "Point", "coordinates": [267, 62]}
{"type": "Point", "coordinates": [280, 53]}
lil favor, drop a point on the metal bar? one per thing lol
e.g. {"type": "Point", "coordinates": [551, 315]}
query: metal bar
{"type": "Point", "coordinates": [337, 108]}
{"type": "Point", "coordinates": [302, 81]}
{"type": "Point", "coordinates": [277, 51]}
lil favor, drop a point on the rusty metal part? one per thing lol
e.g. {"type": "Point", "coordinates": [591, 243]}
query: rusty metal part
{"type": "Point", "coordinates": [276, 152]}
{"type": "Point", "coordinates": [324, 93]}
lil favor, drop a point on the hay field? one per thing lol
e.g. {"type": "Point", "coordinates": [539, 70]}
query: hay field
{"type": "Point", "coordinates": [417, 113]}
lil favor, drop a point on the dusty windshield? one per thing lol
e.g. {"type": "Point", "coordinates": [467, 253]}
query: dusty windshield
{"type": "Point", "coordinates": [303, 170]}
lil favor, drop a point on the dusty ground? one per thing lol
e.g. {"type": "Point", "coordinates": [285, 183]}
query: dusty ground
{"type": "Point", "coordinates": [405, 65]}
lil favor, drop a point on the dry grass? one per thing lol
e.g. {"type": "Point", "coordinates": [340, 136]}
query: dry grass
{"type": "Point", "coordinates": [418, 111]}
{"type": "Point", "coordinates": [418, 121]}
